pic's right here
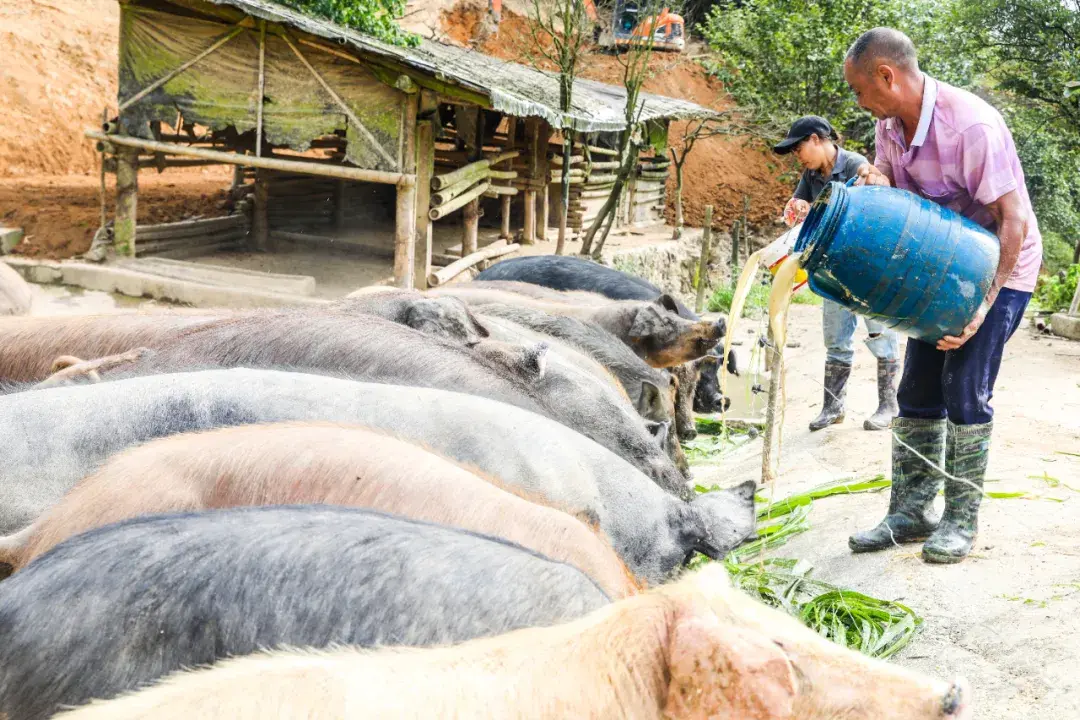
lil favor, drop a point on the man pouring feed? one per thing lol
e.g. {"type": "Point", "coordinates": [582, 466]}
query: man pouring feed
{"type": "Point", "coordinates": [952, 148]}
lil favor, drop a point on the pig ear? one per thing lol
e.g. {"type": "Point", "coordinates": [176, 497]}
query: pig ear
{"type": "Point", "coordinates": [724, 672]}
{"type": "Point", "coordinates": [659, 430]}
{"type": "Point", "coordinates": [534, 360]}
{"type": "Point", "coordinates": [668, 303]}
{"type": "Point", "coordinates": [647, 321]}
{"type": "Point", "coordinates": [651, 402]}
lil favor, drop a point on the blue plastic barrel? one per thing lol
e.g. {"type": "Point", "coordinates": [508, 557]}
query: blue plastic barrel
{"type": "Point", "coordinates": [889, 254]}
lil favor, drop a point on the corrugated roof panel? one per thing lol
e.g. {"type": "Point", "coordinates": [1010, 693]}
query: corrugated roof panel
{"type": "Point", "coordinates": [512, 88]}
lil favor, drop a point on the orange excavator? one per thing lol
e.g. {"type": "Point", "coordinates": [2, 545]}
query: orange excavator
{"type": "Point", "coordinates": [628, 27]}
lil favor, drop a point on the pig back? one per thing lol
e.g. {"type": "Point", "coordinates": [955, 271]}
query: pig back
{"type": "Point", "coordinates": [120, 606]}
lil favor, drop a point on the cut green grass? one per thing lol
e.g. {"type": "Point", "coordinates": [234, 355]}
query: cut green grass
{"type": "Point", "coordinates": [875, 627]}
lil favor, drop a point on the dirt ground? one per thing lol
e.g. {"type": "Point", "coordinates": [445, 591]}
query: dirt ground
{"type": "Point", "coordinates": [1008, 618]}
{"type": "Point", "coordinates": [59, 214]}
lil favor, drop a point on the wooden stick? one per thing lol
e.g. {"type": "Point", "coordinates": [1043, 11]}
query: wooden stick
{"type": "Point", "coordinates": [236, 30]}
{"type": "Point", "coordinates": [341, 103]}
{"type": "Point", "coordinates": [574, 160]}
{"type": "Point", "coordinates": [460, 201]}
{"type": "Point", "coordinates": [262, 89]}
{"type": "Point", "coordinates": [703, 261]}
{"type": "Point", "coordinates": [448, 273]}
{"type": "Point", "coordinates": [500, 190]}
{"type": "Point", "coordinates": [502, 175]}
{"type": "Point", "coordinates": [598, 179]}
{"type": "Point", "coordinates": [127, 198]}
{"type": "Point", "coordinates": [472, 170]}
{"type": "Point", "coordinates": [604, 165]}
{"type": "Point", "coordinates": [653, 175]}
{"type": "Point", "coordinates": [291, 166]}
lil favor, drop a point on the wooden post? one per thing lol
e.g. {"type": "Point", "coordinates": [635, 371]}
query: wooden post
{"type": "Point", "coordinates": [425, 167]}
{"type": "Point", "coordinates": [775, 364]}
{"type": "Point", "coordinates": [542, 230]}
{"type": "Point", "coordinates": [532, 131]}
{"type": "Point", "coordinates": [734, 263]}
{"type": "Point", "coordinates": [511, 132]}
{"type": "Point", "coordinates": [470, 215]}
{"type": "Point", "coordinates": [260, 221]}
{"type": "Point", "coordinates": [339, 205]}
{"type": "Point", "coordinates": [127, 201]}
{"type": "Point", "coordinates": [405, 214]}
{"type": "Point", "coordinates": [504, 233]}
{"type": "Point", "coordinates": [703, 262]}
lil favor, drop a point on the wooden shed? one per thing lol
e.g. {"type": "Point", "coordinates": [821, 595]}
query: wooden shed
{"type": "Point", "coordinates": [328, 128]}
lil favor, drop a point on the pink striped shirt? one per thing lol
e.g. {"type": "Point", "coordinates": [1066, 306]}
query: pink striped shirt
{"type": "Point", "coordinates": [962, 157]}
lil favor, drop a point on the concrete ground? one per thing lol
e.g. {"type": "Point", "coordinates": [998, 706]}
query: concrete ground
{"type": "Point", "coordinates": [1007, 619]}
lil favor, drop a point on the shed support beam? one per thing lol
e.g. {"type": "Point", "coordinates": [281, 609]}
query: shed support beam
{"type": "Point", "coordinates": [294, 166]}
{"type": "Point", "coordinates": [127, 201]}
{"type": "Point", "coordinates": [406, 210]}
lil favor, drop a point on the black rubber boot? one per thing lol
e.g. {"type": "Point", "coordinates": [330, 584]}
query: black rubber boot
{"type": "Point", "coordinates": [966, 453]}
{"type": "Point", "coordinates": [915, 484]}
{"type": "Point", "coordinates": [886, 392]}
{"type": "Point", "coordinates": [832, 411]}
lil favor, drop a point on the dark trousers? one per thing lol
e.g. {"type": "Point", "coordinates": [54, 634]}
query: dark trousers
{"type": "Point", "coordinates": [959, 384]}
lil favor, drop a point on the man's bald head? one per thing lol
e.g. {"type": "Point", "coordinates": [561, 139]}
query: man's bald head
{"type": "Point", "coordinates": [883, 45]}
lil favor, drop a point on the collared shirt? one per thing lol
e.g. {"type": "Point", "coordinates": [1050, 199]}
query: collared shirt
{"type": "Point", "coordinates": [963, 157]}
{"type": "Point", "coordinates": [813, 182]}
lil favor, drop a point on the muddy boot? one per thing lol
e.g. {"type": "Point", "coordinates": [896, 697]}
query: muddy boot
{"type": "Point", "coordinates": [886, 392]}
{"type": "Point", "coordinates": [832, 411]}
{"type": "Point", "coordinates": [915, 484]}
{"type": "Point", "coordinates": [967, 451]}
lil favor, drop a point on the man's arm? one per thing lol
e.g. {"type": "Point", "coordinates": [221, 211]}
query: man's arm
{"type": "Point", "coordinates": [989, 179]}
{"type": "Point", "coordinates": [1011, 217]}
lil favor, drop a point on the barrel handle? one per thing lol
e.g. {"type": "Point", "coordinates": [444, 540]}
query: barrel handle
{"type": "Point", "coordinates": [851, 181]}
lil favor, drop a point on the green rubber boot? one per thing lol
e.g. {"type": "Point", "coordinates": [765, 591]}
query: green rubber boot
{"type": "Point", "coordinates": [966, 453]}
{"type": "Point", "coordinates": [915, 484]}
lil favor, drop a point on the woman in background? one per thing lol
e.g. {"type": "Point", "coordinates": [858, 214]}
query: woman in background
{"type": "Point", "coordinates": [814, 143]}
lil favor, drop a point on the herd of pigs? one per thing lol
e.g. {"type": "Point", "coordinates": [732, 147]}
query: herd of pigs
{"type": "Point", "coordinates": [464, 502]}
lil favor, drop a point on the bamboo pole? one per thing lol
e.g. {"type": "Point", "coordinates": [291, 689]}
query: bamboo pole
{"type": "Point", "coordinates": [500, 191]}
{"type": "Point", "coordinates": [442, 211]}
{"type": "Point", "coordinates": [494, 250]}
{"type": "Point", "coordinates": [447, 194]}
{"type": "Point", "coordinates": [511, 135]}
{"type": "Point", "coordinates": [262, 89]}
{"type": "Point", "coordinates": [502, 175]}
{"type": "Point", "coordinates": [360, 127]}
{"type": "Point", "coordinates": [703, 261]}
{"type": "Point", "coordinates": [472, 170]}
{"type": "Point", "coordinates": [236, 30]}
{"type": "Point", "coordinates": [292, 166]}
{"type": "Point", "coordinates": [127, 200]}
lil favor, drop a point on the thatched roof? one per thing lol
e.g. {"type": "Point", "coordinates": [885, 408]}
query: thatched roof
{"type": "Point", "coordinates": [509, 87]}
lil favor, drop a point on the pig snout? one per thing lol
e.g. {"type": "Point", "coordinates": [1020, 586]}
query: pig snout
{"type": "Point", "coordinates": [956, 705]}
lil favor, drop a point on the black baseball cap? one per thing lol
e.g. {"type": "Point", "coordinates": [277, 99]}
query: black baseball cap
{"type": "Point", "coordinates": [803, 128]}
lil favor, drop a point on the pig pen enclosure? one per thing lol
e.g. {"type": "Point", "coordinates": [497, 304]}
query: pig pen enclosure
{"type": "Point", "coordinates": [356, 161]}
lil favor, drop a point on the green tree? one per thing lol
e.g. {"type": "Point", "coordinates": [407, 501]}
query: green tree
{"type": "Point", "coordinates": [377, 18]}
{"type": "Point", "coordinates": [784, 58]}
